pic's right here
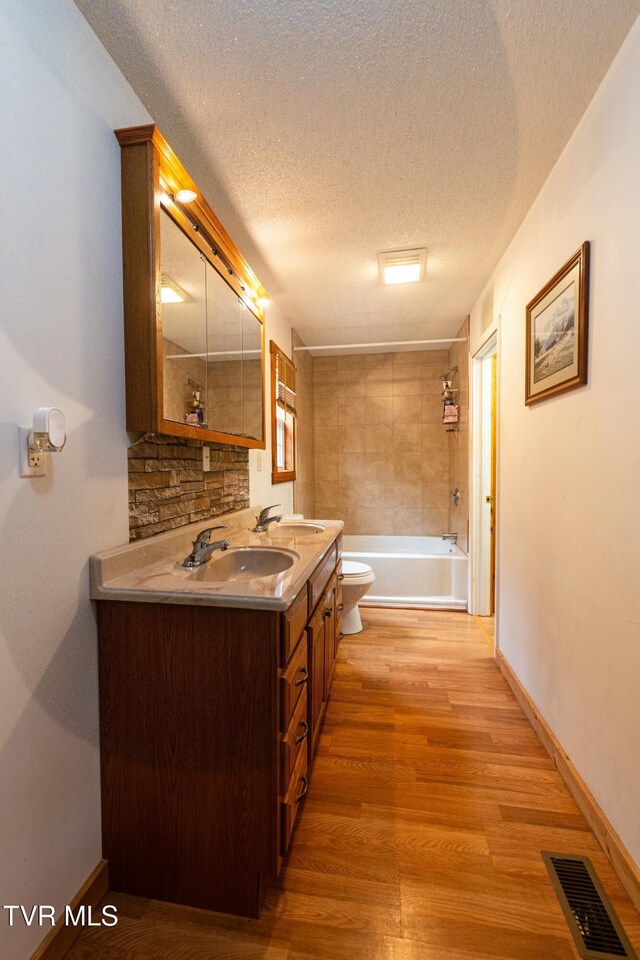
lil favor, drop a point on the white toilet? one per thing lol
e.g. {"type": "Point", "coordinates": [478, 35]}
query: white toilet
{"type": "Point", "coordinates": [356, 581]}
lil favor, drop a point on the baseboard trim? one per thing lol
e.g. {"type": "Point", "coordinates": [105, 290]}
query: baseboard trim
{"type": "Point", "coordinates": [619, 856]}
{"type": "Point", "coordinates": [60, 938]}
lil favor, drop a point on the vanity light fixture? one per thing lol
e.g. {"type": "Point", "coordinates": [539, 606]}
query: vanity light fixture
{"type": "Point", "coordinates": [170, 292]}
{"type": "Point", "coordinates": [185, 196]}
{"type": "Point", "coordinates": [402, 266]}
{"type": "Point", "coordinates": [263, 301]}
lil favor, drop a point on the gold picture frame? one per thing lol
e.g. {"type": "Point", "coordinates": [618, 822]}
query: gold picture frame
{"type": "Point", "coordinates": [558, 331]}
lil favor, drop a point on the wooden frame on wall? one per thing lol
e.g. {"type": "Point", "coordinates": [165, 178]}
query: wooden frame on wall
{"type": "Point", "coordinates": [151, 175]}
{"type": "Point", "coordinates": [558, 331]}
{"type": "Point", "coordinates": [279, 475]}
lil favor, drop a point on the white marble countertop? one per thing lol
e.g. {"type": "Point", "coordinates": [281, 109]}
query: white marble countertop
{"type": "Point", "coordinates": [151, 571]}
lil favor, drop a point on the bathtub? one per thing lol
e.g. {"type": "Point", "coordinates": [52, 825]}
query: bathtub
{"type": "Point", "coordinates": [422, 572]}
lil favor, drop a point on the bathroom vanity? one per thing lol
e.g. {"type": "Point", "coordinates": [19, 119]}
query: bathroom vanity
{"type": "Point", "coordinates": [212, 696]}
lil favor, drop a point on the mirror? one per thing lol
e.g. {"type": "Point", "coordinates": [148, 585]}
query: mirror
{"type": "Point", "coordinates": [184, 326]}
{"type": "Point", "coordinates": [212, 343]}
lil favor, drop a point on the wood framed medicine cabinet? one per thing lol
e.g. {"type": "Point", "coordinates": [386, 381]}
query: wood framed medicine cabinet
{"type": "Point", "coordinates": [194, 328]}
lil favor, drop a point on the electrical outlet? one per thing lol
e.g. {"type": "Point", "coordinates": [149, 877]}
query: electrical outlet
{"type": "Point", "coordinates": [32, 462]}
{"type": "Point", "coordinates": [206, 459]}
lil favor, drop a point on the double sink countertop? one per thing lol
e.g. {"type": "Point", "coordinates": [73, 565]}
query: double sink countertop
{"type": "Point", "coordinates": [151, 571]}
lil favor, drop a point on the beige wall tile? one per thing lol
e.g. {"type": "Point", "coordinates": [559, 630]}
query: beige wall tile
{"type": "Point", "coordinates": [434, 522]}
{"type": "Point", "coordinates": [350, 439]}
{"type": "Point", "coordinates": [351, 411]}
{"type": "Point", "coordinates": [326, 467]}
{"type": "Point", "coordinates": [325, 438]}
{"type": "Point", "coordinates": [407, 493]}
{"type": "Point", "coordinates": [432, 409]}
{"type": "Point", "coordinates": [407, 466]}
{"type": "Point", "coordinates": [378, 361]}
{"type": "Point", "coordinates": [351, 364]}
{"type": "Point", "coordinates": [378, 410]}
{"type": "Point", "coordinates": [407, 381]}
{"type": "Point", "coordinates": [325, 368]}
{"type": "Point", "coordinates": [407, 438]}
{"type": "Point", "coordinates": [379, 466]}
{"type": "Point", "coordinates": [379, 438]}
{"type": "Point", "coordinates": [435, 466]}
{"type": "Point", "coordinates": [407, 409]}
{"type": "Point", "coordinates": [377, 522]}
{"type": "Point", "coordinates": [431, 382]}
{"type": "Point", "coordinates": [378, 493]}
{"type": "Point", "coordinates": [407, 522]}
{"type": "Point", "coordinates": [377, 386]}
{"type": "Point", "coordinates": [352, 466]}
{"type": "Point", "coordinates": [324, 389]}
{"type": "Point", "coordinates": [350, 388]}
{"type": "Point", "coordinates": [325, 410]}
{"type": "Point", "coordinates": [407, 359]}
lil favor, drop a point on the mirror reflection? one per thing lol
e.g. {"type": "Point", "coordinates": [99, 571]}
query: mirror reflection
{"type": "Point", "coordinates": [212, 343]}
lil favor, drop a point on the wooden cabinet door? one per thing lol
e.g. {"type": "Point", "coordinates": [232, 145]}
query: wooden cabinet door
{"type": "Point", "coordinates": [329, 616]}
{"type": "Point", "coordinates": [317, 642]}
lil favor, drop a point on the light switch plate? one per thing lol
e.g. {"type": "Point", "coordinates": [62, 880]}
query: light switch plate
{"type": "Point", "coordinates": [206, 459]}
{"type": "Point", "coordinates": [32, 463]}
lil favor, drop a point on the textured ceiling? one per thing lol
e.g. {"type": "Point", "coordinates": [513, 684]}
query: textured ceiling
{"type": "Point", "coordinates": [325, 131]}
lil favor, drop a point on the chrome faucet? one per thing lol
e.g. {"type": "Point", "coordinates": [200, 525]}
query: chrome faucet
{"type": "Point", "coordinates": [203, 548]}
{"type": "Point", "coordinates": [450, 537]}
{"type": "Point", "coordinates": [263, 519]}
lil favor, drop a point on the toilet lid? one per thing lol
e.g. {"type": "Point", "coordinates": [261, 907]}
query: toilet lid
{"type": "Point", "coordinates": [351, 568]}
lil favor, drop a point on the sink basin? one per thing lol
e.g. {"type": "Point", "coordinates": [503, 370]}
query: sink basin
{"type": "Point", "coordinates": [299, 529]}
{"type": "Point", "coordinates": [246, 563]}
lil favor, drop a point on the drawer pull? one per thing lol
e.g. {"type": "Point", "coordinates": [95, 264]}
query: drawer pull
{"type": "Point", "coordinates": [340, 606]}
{"type": "Point", "coordinates": [304, 679]}
{"type": "Point", "coordinates": [305, 787]}
{"type": "Point", "coordinates": [304, 735]}
{"type": "Point", "coordinates": [327, 613]}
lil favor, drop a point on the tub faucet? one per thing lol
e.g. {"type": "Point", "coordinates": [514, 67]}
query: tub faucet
{"type": "Point", "coordinates": [263, 519]}
{"type": "Point", "coordinates": [450, 537]}
{"type": "Point", "coordinates": [203, 548]}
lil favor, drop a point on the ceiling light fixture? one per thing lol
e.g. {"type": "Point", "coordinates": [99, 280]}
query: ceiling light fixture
{"type": "Point", "coordinates": [170, 292]}
{"type": "Point", "coordinates": [185, 196]}
{"type": "Point", "coordinates": [402, 266]}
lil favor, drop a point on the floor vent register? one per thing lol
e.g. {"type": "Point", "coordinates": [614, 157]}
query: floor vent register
{"type": "Point", "coordinates": [594, 925]}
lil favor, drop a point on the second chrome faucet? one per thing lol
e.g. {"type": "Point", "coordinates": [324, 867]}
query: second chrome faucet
{"type": "Point", "coordinates": [263, 519]}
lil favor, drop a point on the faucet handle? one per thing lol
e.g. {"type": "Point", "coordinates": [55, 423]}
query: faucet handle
{"type": "Point", "coordinates": [204, 537]}
{"type": "Point", "coordinates": [264, 513]}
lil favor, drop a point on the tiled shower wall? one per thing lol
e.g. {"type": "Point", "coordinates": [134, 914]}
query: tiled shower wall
{"type": "Point", "coordinates": [303, 488]}
{"type": "Point", "coordinates": [381, 453]}
{"type": "Point", "coordinates": [459, 442]}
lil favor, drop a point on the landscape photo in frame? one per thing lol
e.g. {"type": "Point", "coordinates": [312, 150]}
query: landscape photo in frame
{"type": "Point", "coordinates": [557, 331]}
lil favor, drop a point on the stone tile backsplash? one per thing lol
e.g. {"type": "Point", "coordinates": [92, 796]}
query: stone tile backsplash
{"type": "Point", "coordinates": [168, 487]}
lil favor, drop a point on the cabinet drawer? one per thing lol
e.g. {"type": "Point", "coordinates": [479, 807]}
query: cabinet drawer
{"type": "Point", "coordinates": [292, 682]}
{"type": "Point", "coordinates": [293, 741]}
{"type": "Point", "coordinates": [293, 623]}
{"type": "Point", "coordinates": [320, 577]}
{"type": "Point", "coordinates": [291, 803]}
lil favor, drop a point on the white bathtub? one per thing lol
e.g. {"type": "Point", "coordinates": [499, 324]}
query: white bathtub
{"type": "Point", "coordinates": [422, 572]}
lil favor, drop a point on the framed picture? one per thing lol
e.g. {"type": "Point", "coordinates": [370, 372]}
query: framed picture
{"type": "Point", "coordinates": [557, 331]}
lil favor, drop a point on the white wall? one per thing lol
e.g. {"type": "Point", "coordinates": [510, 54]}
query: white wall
{"type": "Point", "coordinates": [60, 344]}
{"type": "Point", "coordinates": [569, 509]}
{"type": "Point", "coordinates": [261, 491]}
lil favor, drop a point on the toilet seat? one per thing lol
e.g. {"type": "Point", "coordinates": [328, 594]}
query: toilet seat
{"type": "Point", "coordinates": [351, 568]}
{"type": "Point", "coordinates": [355, 573]}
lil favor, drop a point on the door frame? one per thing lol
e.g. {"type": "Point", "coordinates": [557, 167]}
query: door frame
{"type": "Point", "coordinates": [484, 546]}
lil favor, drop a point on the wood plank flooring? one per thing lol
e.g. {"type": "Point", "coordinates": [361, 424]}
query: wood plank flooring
{"type": "Point", "coordinates": [420, 837]}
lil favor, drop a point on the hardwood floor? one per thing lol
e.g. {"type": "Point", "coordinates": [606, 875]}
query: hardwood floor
{"type": "Point", "coordinates": [420, 837]}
